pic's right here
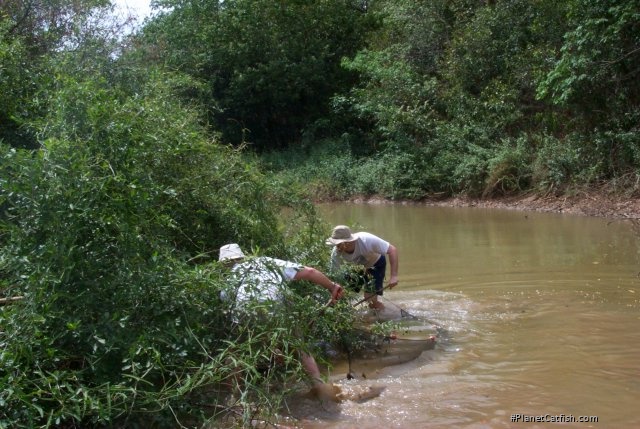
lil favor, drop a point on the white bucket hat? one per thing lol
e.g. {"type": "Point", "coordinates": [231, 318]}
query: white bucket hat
{"type": "Point", "coordinates": [230, 252]}
{"type": "Point", "coordinates": [340, 234]}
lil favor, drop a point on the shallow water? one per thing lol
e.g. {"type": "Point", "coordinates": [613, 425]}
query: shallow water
{"type": "Point", "coordinates": [541, 310]}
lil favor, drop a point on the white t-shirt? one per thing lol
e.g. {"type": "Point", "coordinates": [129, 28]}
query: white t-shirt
{"type": "Point", "coordinates": [368, 249]}
{"type": "Point", "coordinates": [263, 279]}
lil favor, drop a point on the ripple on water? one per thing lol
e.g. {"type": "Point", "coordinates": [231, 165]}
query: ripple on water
{"type": "Point", "coordinates": [519, 347]}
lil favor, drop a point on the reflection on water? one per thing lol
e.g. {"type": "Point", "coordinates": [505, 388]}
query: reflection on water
{"type": "Point", "coordinates": [542, 312]}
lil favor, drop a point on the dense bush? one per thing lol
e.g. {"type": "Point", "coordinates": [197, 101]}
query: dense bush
{"type": "Point", "coordinates": [109, 233]}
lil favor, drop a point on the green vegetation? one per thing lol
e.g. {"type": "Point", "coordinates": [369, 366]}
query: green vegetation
{"type": "Point", "coordinates": [127, 161]}
{"type": "Point", "coordinates": [485, 99]}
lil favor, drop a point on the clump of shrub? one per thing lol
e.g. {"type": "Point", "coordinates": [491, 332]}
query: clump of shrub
{"type": "Point", "coordinates": [110, 234]}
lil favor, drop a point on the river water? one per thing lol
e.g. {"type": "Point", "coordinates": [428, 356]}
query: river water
{"type": "Point", "coordinates": [542, 313]}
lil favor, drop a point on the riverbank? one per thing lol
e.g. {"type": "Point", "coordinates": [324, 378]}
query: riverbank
{"type": "Point", "coordinates": [583, 204]}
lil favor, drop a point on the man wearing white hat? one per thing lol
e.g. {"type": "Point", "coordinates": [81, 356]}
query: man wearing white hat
{"type": "Point", "coordinates": [263, 279]}
{"type": "Point", "coordinates": [368, 250]}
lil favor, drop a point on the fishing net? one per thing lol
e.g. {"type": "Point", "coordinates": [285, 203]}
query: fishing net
{"type": "Point", "coordinates": [409, 321]}
{"type": "Point", "coordinates": [365, 350]}
{"type": "Point", "coordinates": [384, 337]}
{"type": "Point", "coordinates": [363, 353]}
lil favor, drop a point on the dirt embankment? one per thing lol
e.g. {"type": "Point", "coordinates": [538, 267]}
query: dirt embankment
{"type": "Point", "coordinates": [585, 204]}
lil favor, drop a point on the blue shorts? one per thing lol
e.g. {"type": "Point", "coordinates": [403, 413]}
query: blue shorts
{"type": "Point", "coordinates": [377, 272]}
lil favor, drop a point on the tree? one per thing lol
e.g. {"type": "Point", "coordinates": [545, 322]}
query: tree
{"type": "Point", "coordinates": [599, 63]}
{"type": "Point", "coordinates": [270, 68]}
{"type": "Point", "coordinates": [32, 34]}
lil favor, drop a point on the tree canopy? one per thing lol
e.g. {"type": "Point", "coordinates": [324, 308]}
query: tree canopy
{"type": "Point", "coordinates": [268, 68]}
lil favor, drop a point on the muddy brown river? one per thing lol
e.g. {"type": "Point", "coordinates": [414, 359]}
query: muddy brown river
{"type": "Point", "coordinates": [542, 313]}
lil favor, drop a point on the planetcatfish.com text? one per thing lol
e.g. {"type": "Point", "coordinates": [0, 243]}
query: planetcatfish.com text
{"type": "Point", "coordinates": [553, 418]}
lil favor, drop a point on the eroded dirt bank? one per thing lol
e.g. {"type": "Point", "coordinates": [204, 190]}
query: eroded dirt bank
{"type": "Point", "coordinates": [585, 204]}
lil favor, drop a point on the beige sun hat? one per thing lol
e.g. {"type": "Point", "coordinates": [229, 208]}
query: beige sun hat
{"type": "Point", "coordinates": [340, 234]}
{"type": "Point", "coordinates": [230, 252]}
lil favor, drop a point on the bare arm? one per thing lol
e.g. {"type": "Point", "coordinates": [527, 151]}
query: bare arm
{"type": "Point", "coordinates": [393, 261]}
{"type": "Point", "coordinates": [317, 277]}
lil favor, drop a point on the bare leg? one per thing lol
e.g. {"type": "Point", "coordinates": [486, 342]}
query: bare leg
{"type": "Point", "coordinates": [325, 391]}
{"type": "Point", "coordinates": [373, 301]}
